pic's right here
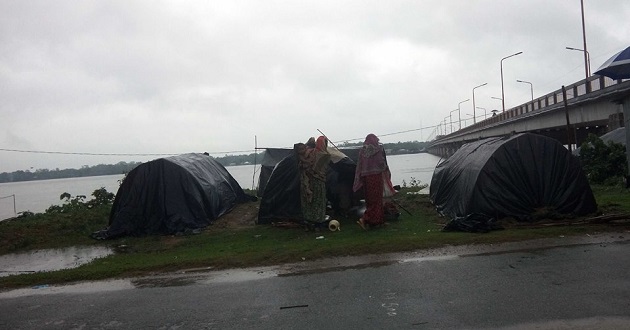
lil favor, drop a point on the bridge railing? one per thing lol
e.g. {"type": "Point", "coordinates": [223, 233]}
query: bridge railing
{"type": "Point", "coordinates": [580, 88]}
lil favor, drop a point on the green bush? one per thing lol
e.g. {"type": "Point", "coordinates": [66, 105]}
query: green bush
{"type": "Point", "coordinates": [76, 203]}
{"type": "Point", "coordinates": [603, 163]}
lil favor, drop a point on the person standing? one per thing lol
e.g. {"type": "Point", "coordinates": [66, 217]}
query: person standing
{"type": "Point", "coordinates": [373, 175]}
{"type": "Point", "coordinates": [313, 166]}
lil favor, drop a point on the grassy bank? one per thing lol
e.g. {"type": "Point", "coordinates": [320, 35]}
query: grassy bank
{"type": "Point", "coordinates": [225, 245]}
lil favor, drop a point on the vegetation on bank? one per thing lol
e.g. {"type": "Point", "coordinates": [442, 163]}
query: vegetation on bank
{"type": "Point", "coordinates": [46, 174]}
{"type": "Point", "coordinates": [603, 163]}
{"type": "Point", "coordinates": [124, 167]}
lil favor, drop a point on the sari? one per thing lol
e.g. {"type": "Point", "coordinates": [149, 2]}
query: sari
{"type": "Point", "coordinates": [372, 174]}
{"type": "Point", "coordinates": [313, 166]}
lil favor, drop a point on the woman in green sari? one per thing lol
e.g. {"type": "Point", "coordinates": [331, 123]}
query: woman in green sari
{"type": "Point", "coordinates": [313, 165]}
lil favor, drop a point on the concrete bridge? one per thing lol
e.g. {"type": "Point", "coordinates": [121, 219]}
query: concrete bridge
{"type": "Point", "coordinates": [594, 105]}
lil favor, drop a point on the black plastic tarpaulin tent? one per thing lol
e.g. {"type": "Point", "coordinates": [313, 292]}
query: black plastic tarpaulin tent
{"type": "Point", "coordinates": [280, 199]}
{"type": "Point", "coordinates": [172, 195]}
{"type": "Point", "coordinates": [511, 176]}
{"type": "Point", "coordinates": [271, 157]}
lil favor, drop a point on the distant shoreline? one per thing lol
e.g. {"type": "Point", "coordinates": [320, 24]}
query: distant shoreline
{"type": "Point", "coordinates": [117, 169]}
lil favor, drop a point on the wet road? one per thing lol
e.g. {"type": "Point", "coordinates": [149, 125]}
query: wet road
{"type": "Point", "coordinates": [565, 283]}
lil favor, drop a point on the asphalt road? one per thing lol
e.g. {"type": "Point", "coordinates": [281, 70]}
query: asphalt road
{"type": "Point", "coordinates": [566, 283]}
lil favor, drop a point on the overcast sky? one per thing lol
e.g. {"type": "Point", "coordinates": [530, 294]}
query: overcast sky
{"type": "Point", "coordinates": [171, 77]}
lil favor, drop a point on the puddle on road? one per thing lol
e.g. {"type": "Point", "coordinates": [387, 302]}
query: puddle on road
{"type": "Point", "coordinates": [50, 260]}
{"type": "Point", "coordinates": [432, 258]}
{"type": "Point", "coordinates": [162, 282]}
{"type": "Point", "coordinates": [338, 268]}
{"type": "Point", "coordinates": [85, 287]}
{"type": "Point", "coordinates": [241, 275]}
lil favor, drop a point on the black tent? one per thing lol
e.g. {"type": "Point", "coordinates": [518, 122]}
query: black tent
{"type": "Point", "coordinates": [280, 199]}
{"type": "Point", "coordinates": [271, 157]}
{"type": "Point", "coordinates": [177, 194]}
{"type": "Point", "coordinates": [510, 177]}
{"type": "Point", "coordinates": [617, 135]}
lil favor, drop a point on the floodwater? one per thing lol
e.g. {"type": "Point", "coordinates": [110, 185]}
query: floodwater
{"type": "Point", "coordinates": [50, 260]}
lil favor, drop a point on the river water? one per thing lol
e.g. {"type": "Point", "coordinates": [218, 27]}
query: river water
{"type": "Point", "coordinates": [37, 196]}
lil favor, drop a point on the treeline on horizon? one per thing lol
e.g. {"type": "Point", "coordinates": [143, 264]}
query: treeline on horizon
{"type": "Point", "coordinates": [227, 160]}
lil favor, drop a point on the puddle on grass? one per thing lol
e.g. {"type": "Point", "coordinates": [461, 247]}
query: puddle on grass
{"type": "Point", "coordinates": [50, 260]}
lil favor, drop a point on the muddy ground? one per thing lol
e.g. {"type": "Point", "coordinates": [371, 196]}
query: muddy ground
{"type": "Point", "coordinates": [242, 216]}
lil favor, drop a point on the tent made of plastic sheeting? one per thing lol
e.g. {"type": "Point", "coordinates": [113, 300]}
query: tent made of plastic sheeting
{"type": "Point", "coordinates": [510, 177]}
{"type": "Point", "coordinates": [271, 157]}
{"type": "Point", "coordinates": [178, 194]}
{"type": "Point", "coordinates": [280, 199]}
{"type": "Point", "coordinates": [617, 135]}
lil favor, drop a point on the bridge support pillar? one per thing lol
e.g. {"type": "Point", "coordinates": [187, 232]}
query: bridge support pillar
{"type": "Point", "coordinates": [615, 121]}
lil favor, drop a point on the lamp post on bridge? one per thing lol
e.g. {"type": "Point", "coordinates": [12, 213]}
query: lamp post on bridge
{"type": "Point", "coordinates": [502, 90]}
{"type": "Point", "coordinates": [471, 115]}
{"type": "Point", "coordinates": [473, 93]}
{"type": "Point", "coordinates": [460, 112]}
{"type": "Point", "coordinates": [587, 60]}
{"type": "Point", "coordinates": [531, 86]}
{"type": "Point", "coordinates": [451, 119]}
{"type": "Point", "coordinates": [485, 113]}
{"type": "Point", "coordinates": [450, 129]}
{"type": "Point", "coordinates": [496, 98]}
{"type": "Point", "coordinates": [445, 125]}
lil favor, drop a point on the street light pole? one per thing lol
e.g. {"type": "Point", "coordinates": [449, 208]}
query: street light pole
{"type": "Point", "coordinates": [473, 92]}
{"type": "Point", "coordinates": [502, 91]}
{"type": "Point", "coordinates": [471, 115]}
{"type": "Point", "coordinates": [445, 125]}
{"type": "Point", "coordinates": [531, 86]}
{"type": "Point", "coordinates": [485, 113]}
{"type": "Point", "coordinates": [586, 57]}
{"type": "Point", "coordinates": [460, 112]}
{"type": "Point", "coordinates": [587, 60]}
{"type": "Point", "coordinates": [496, 98]}
{"type": "Point", "coordinates": [451, 119]}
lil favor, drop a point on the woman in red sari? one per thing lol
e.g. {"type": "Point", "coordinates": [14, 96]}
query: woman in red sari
{"type": "Point", "coordinates": [372, 174]}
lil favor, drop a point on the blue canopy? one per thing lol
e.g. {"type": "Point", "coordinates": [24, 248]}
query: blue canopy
{"type": "Point", "coordinates": [616, 67]}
